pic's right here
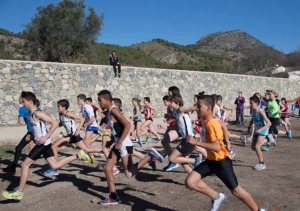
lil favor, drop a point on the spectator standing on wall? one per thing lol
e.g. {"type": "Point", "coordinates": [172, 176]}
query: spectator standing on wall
{"type": "Point", "coordinates": [114, 61]}
{"type": "Point", "coordinates": [239, 101]}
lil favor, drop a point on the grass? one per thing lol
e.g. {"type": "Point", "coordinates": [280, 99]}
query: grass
{"type": "Point", "coordinates": [7, 151]}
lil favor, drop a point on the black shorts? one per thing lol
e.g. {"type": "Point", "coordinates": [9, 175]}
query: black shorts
{"type": "Point", "coordinates": [39, 150]}
{"type": "Point", "coordinates": [74, 139]}
{"type": "Point", "coordinates": [150, 118]}
{"type": "Point", "coordinates": [222, 169]}
{"type": "Point", "coordinates": [104, 121]}
{"type": "Point", "coordinates": [185, 148]}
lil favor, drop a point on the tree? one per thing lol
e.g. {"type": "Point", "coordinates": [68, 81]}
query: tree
{"type": "Point", "coordinates": [62, 32]}
{"type": "Point", "coordinates": [265, 58]}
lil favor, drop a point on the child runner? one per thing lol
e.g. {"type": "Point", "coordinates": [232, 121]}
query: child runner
{"type": "Point", "coordinates": [67, 120]}
{"type": "Point", "coordinates": [184, 149]}
{"type": "Point", "coordinates": [38, 120]}
{"type": "Point", "coordinates": [96, 110]}
{"type": "Point", "coordinates": [148, 112]}
{"type": "Point", "coordinates": [122, 148]}
{"type": "Point", "coordinates": [284, 118]}
{"type": "Point", "coordinates": [137, 119]}
{"type": "Point", "coordinates": [168, 118]}
{"type": "Point", "coordinates": [90, 124]}
{"type": "Point", "coordinates": [218, 161]}
{"type": "Point", "coordinates": [27, 139]}
{"type": "Point", "coordinates": [261, 126]}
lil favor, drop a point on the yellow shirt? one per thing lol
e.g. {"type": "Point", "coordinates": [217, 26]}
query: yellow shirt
{"type": "Point", "coordinates": [214, 132]}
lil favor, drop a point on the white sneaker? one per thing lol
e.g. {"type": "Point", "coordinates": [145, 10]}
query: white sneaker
{"type": "Point", "coordinates": [216, 204]}
{"type": "Point", "coordinates": [232, 154]}
{"type": "Point", "coordinates": [272, 140]}
{"type": "Point", "coordinates": [249, 139]}
{"type": "Point", "coordinates": [260, 166]}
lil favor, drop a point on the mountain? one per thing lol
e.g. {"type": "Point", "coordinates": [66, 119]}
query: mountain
{"type": "Point", "coordinates": [228, 51]}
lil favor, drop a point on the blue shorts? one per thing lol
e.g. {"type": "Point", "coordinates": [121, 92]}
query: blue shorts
{"type": "Point", "coordinates": [93, 129]}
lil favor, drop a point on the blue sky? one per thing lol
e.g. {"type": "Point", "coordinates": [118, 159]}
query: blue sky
{"type": "Point", "coordinates": [126, 22]}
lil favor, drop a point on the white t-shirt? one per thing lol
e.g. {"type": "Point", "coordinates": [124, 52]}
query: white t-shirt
{"type": "Point", "coordinates": [88, 113]}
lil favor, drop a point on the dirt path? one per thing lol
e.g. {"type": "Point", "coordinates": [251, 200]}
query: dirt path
{"type": "Point", "coordinates": [79, 184]}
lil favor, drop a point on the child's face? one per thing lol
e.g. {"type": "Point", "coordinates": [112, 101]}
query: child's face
{"type": "Point", "coordinates": [166, 103]}
{"type": "Point", "coordinates": [88, 102]}
{"type": "Point", "coordinates": [27, 103]}
{"type": "Point", "coordinates": [219, 102]}
{"type": "Point", "coordinates": [203, 109]}
{"type": "Point", "coordinates": [253, 105]}
{"type": "Point", "coordinates": [80, 101]}
{"type": "Point", "coordinates": [104, 103]}
{"type": "Point", "coordinates": [195, 99]}
{"type": "Point", "coordinates": [134, 103]}
{"type": "Point", "coordinates": [282, 101]}
{"type": "Point", "coordinates": [60, 109]}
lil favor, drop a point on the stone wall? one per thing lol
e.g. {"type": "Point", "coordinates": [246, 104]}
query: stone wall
{"type": "Point", "coordinates": [54, 81]}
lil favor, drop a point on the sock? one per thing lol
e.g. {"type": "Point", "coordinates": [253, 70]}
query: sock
{"type": "Point", "coordinates": [262, 162]}
{"type": "Point", "coordinates": [78, 157]}
{"type": "Point", "coordinates": [18, 191]}
{"type": "Point", "coordinates": [216, 197]}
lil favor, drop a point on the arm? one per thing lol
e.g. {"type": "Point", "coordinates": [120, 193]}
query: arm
{"type": "Point", "coordinates": [80, 118]}
{"type": "Point", "coordinates": [152, 108]}
{"type": "Point", "coordinates": [46, 118]}
{"type": "Point", "coordinates": [21, 120]}
{"type": "Point", "coordinates": [120, 118]}
{"type": "Point", "coordinates": [137, 108]}
{"type": "Point", "coordinates": [263, 114]}
{"type": "Point", "coordinates": [225, 134]}
{"type": "Point", "coordinates": [92, 119]}
{"type": "Point", "coordinates": [187, 109]}
{"type": "Point", "coordinates": [250, 124]}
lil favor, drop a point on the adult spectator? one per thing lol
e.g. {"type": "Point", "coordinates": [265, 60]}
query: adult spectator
{"type": "Point", "coordinates": [239, 101]}
{"type": "Point", "coordinates": [114, 61]}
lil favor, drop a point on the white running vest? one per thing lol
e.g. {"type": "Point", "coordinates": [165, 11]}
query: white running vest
{"type": "Point", "coordinates": [39, 129]}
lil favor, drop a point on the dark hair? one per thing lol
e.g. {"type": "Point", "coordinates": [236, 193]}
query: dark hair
{"type": "Point", "coordinates": [64, 103]}
{"type": "Point", "coordinates": [174, 90]}
{"type": "Point", "coordinates": [105, 94]}
{"type": "Point", "coordinates": [219, 97]}
{"type": "Point", "coordinates": [215, 96]}
{"type": "Point", "coordinates": [82, 97]}
{"type": "Point", "coordinates": [208, 100]}
{"type": "Point", "coordinates": [89, 99]}
{"type": "Point", "coordinates": [177, 99]}
{"type": "Point", "coordinates": [255, 99]}
{"type": "Point", "coordinates": [147, 99]}
{"type": "Point", "coordinates": [284, 100]}
{"type": "Point", "coordinates": [201, 93]}
{"type": "Point", "coordinates": [30, 96]}
{"type": "Point", "coordinates": [117, 102]}
{"type": "Point", "coordinates": [166, 98]}
{"type": "Point", "coordinates": [38, 103]}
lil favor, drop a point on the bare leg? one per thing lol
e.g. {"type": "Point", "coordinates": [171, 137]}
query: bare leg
{"type": "Point", "coordinates": [169, 137]}
{"type": "Point", "coordinates": [110, 163]}
{"type": "Point", "coordinates": [56, 165]}
{"type": "Point", "coordinates": [244, 196]}
{"type": "Point", "coordinates": [25, 173]}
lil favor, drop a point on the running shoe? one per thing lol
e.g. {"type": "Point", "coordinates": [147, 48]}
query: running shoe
{"type": "Point", "coordinates": [232, 154]}
{"type": "Point", "coordinates": [51, 172]}
{"type": "Point", "coordinates": [171, 166]}
{"type": "Point", "coordinates": [289, 134]}
{"type": "Point", "coordinates": [265, 148]}
{"type": "Point", "coordinates": [154, 154]}
{"type": "Point", "coordinates": [15, 194]}
{"type": "Point", "coordinates": [82, 155]}
{"type": "Point", "coordinates": [104, 133]}
{"type": "Point", "coordinates": [165, 155]}
{"type": "Point", "coordinates": [272, 140]}
{"type": "Point", "coordinates": [109, 200]}
{"type": "Point", "coordinates": [259, 166]}
{"type": "Point", "coordinates": [243, 140]}
{"type": "Point", "coordinates": [216, 204]}
{"type": "Point", "coordinates": [148, 138]}
{"type": "Point", "coordinates": [115, 171]}
{"type": "Point", "coordinates": [249, 139]}
{"type": "Point", "coordinates": [159, 141]}
{"type": "Point", "coordinates": [98, 154]}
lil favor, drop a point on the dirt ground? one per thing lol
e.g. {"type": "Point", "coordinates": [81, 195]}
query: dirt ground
{"type": "Point", "coordinates": [79, 186]}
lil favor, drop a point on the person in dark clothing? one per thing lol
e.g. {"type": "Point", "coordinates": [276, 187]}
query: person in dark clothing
{"type": "Point", "coordinates": [114, 61]}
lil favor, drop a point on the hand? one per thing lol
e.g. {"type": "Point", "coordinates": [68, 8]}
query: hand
{"type": "Point", "coordinates": [77, 132]}
{"type": "Point", "coordinates": [42, 139]}
{"type": "Point", "coordinates": [258, 131]}
{"type": "Point", "coordinates": [118, 146]}
{"type": "Point", "coordinates": [228, 146]}
{"type": "Point", "coordinates": [190, 139]}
